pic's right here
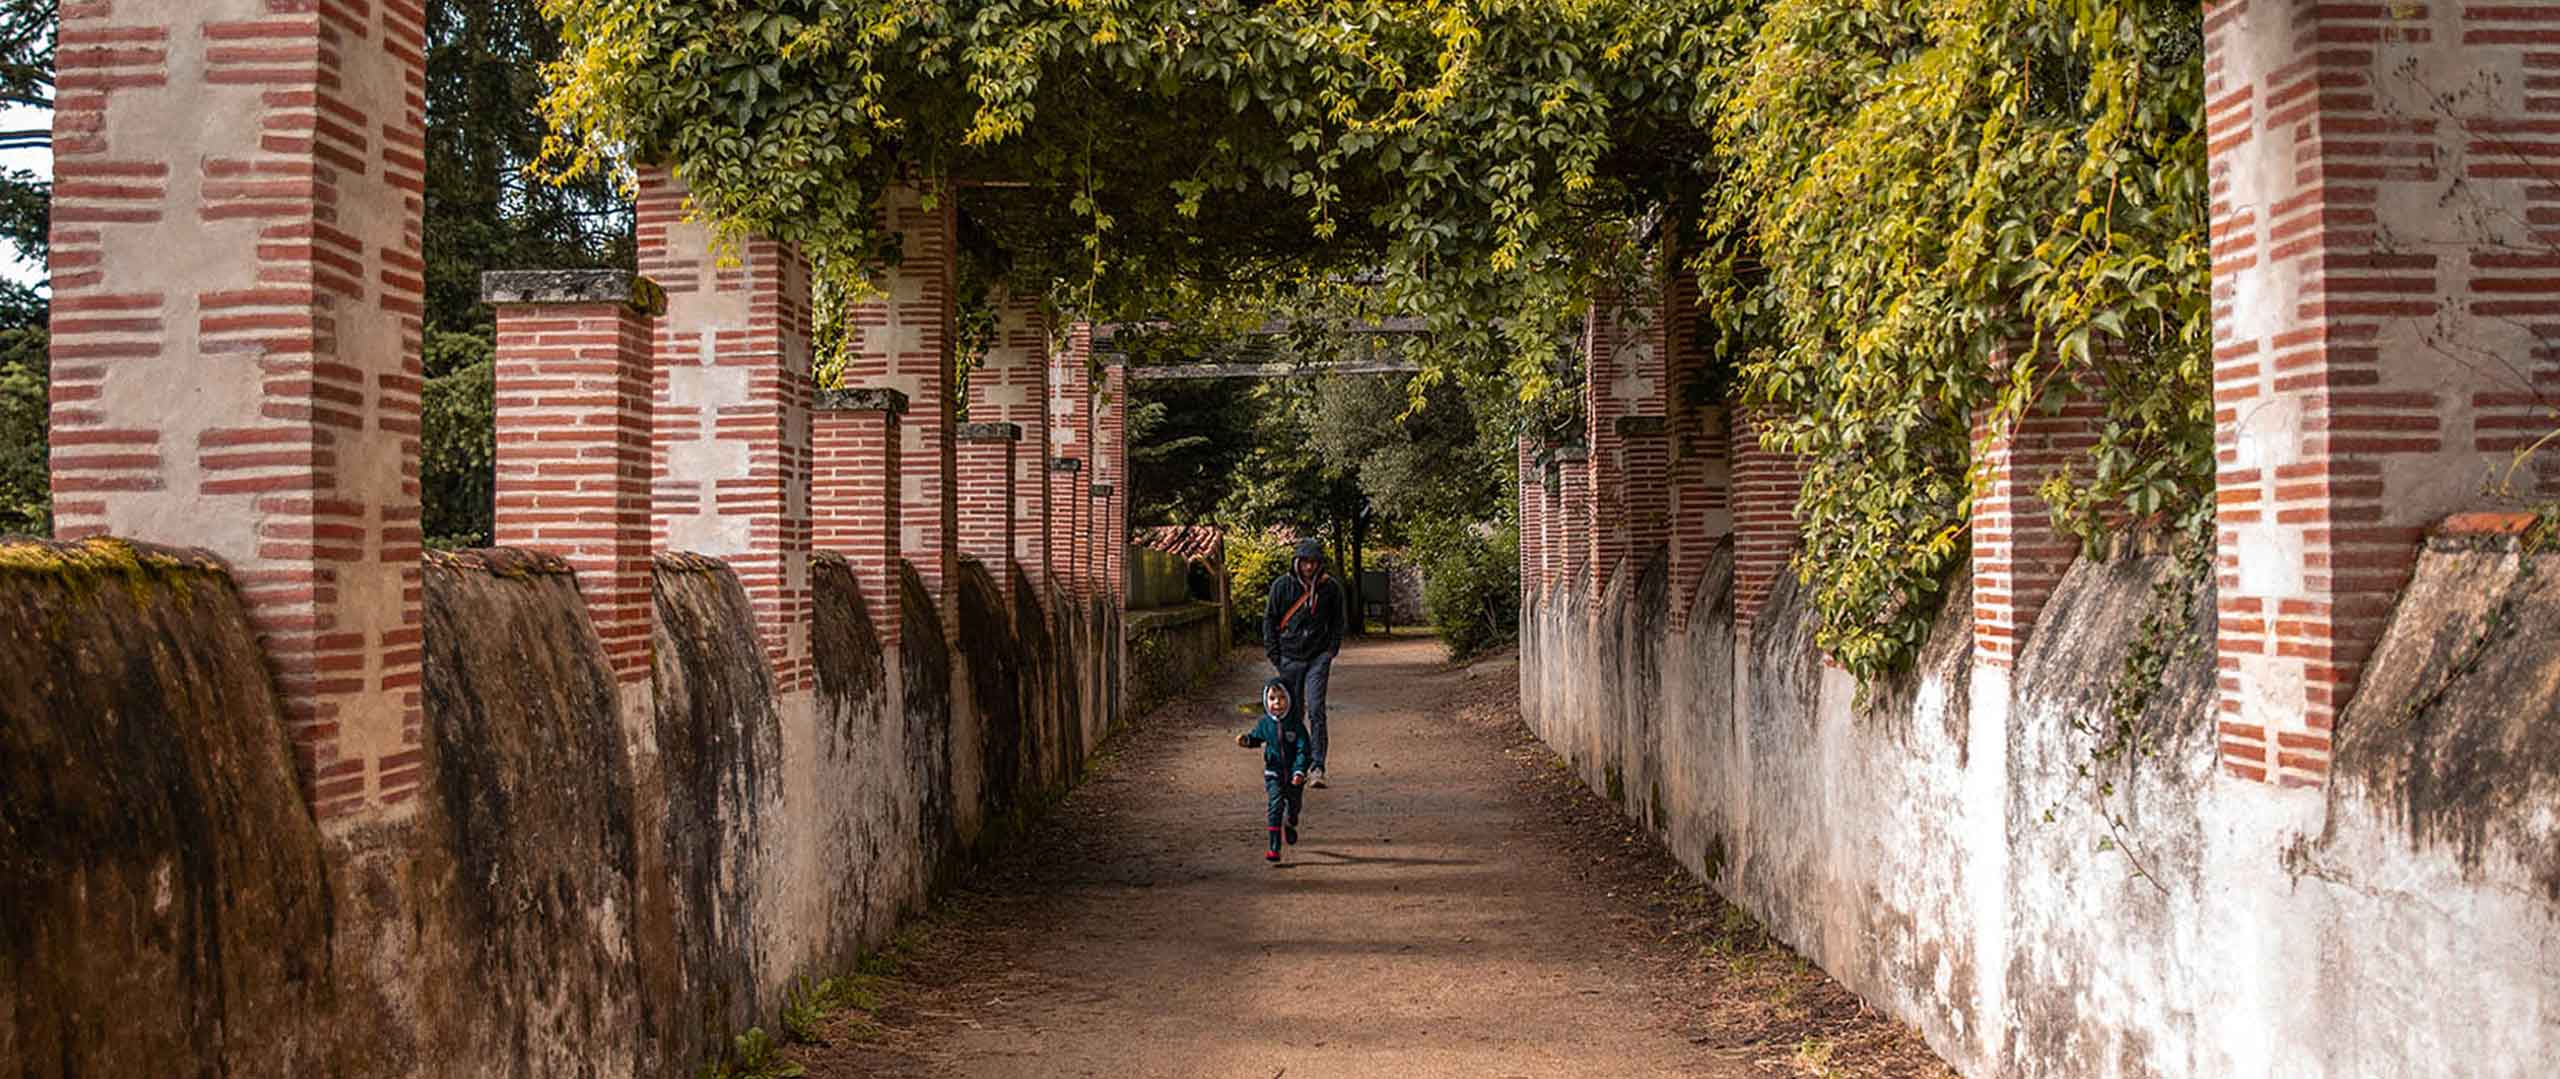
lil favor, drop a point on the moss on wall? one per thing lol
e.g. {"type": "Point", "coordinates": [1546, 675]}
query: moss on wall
{"type": "Point", "coordinates": [2456, 725]}
{"type": "Point", "coordinates": [719, 748]}
{"type": "Point", "coordinates": [925, 659]}
{"type": "Point", "coordinates": [532, 810]}
{"type": "Point", "coordinates": [995, 666]}
{"type": "Point", "coordinates": [162, 885]}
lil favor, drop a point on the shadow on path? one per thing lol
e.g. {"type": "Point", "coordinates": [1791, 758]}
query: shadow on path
{"type": "Point", "coordinates": [1428, 926]}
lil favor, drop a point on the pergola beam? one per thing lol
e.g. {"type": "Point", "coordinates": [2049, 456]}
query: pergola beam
{"type": "Point", "coordinates": [1105, 335]}
{"type": "Point", "coordinates": [1194, 371]}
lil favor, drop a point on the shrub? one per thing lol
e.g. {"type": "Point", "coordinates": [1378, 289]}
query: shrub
{"type": "Point", "coordinates": [458, 450]}
{"type": "Point", "coordinates": [1471, 584]}
{"type": "Point", "coordinates": [1254, 560]}
{"type": "Point", "coordinates": [26, 493]}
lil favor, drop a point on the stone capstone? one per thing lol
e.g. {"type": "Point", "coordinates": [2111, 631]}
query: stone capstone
{"type": "Point", "coordinates": [862, 399]}
{"type": "Point", "coordinates": [574, 287]}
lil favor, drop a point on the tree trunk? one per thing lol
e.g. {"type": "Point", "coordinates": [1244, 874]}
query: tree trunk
{"type": "Point", "coordinates": [1360, 574]}
{"type": "Point", "coordinates": [1342, 564]}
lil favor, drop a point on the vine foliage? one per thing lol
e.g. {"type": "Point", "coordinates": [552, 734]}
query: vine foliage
{"type": "Point", "coordinates": [1912, 220]}
{"type": "Point", "coordinates": [2005, 207]}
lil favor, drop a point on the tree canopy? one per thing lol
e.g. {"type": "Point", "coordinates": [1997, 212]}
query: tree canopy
{"type": "Point", "coordinates": [1937, 212]}
{"type": "Point", "coordinates": [487, 208]}
{"type": "Point", "coordinates": [1875, 197]}
{"type": "Point", "coordinates": [1164, 148]}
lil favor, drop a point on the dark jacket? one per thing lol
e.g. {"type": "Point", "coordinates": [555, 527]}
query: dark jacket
{"type": "Point", "coordinates": [1286, 749]}
{"type": "Point", "coordinates": [1318, 628]}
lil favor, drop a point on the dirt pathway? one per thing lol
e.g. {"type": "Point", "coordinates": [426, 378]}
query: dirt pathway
{"type": "Point", "coordinates": [1437, 920]}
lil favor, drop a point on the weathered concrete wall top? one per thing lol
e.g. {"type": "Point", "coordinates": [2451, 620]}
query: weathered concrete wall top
{"type": "Point", "coordinates": [533, 807]}
{"type": "Point", "coordinates": [719, 751]}
{"type": "Point", "coordinates": [2456, 731]}
{"type": "Point", "coordinates": [598, 879]}
{"type": "Point", "coordinates": [161, 882]}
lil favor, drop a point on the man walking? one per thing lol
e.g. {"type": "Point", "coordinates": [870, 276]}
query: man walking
{"type": "Point", "coordinates": [1302, 630]}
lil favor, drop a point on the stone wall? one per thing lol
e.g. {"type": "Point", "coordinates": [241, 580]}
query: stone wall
{"type": "Point", "coordinates": [1171, 649]}
{"type": "Point", "coordinates": [1935, 843]}
{"type": "Point", "coordinates": [583, 889]}
{"type": "Point", "coordinates": [1404, 591]}
{"type": "Point", "coordinates": [150, 798]}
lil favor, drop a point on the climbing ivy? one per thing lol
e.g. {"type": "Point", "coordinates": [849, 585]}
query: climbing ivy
{"type": "Point", "coordinates": [1462, 150]}
{"type": "Point", "coordinates": [1873, 192]}
{"type": "Point", "coordinates": [1907, 187]}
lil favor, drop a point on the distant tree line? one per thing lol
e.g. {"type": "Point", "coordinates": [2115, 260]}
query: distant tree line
{"type": "Point", "coordinates": [26, 80]}
{"type": "Point", "coordinates": [486, 210]}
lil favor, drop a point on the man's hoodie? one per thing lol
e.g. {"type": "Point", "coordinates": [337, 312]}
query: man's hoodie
{"type": "Point", "coordinates": [1286, 750]}
{"type": "Point", "coordinates": [1319, 621]}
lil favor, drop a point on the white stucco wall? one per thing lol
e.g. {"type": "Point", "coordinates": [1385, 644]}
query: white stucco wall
{"type": "Point", "coordinates": [1903, 843]}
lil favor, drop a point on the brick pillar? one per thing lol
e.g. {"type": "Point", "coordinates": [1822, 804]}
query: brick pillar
{"type": "Point", "coordinates": [1573, 493]}
{"type": "Point", "coordinates": [573, 406]}
{"type": "Point", "coordinates": [1602, 540]}
{"type": "Point", "coordinates": [855, 491]}
{"type": "Point", "coordinates": [906, 343]}
{"type": "Point", "coordinates": [1625, 403]}
{"type": "Point", "coordinates": [1066, 493]}
{"type": "Point", "coordinates": [2383, 286]}
{"type": "Point", "coordinates": [1100, 564]}
{"type": "Point", "coordinates": [236, 304]}
{"type": "Point", "coordinates": [1553, 549]}
{"type": "Point", "coordinates": [1111, 487]}
{"type": "Point", "coordinates": [1765, 486]}
{"type": "Point", "coordinates": [986, 499]}
{"type": "Point", "coordinates": [1011, 385]}
{"type": "Point", "coordinates": [1701, 447]}
{"type": "Point", "coordinates": [1071, 446]}
{"type": "Point", "coordinates": [2019, 557]}
{"type": "Point", "coordinates": [1702, 511]}
{"type": "Point", "coordinates": [1530, 482]}
{"type": "Point", "coordinates": [731, 449]}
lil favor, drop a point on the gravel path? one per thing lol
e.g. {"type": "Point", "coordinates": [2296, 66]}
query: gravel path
{"type": "Point", "coordinates": [1438, 919]}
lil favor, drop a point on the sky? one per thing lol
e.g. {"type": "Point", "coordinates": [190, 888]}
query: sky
{"type": "Point", "coordinates": [39, 160]}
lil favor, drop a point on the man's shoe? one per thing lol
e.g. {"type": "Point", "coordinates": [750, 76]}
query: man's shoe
{"type": "Point", "coordinates": [1316, 778]}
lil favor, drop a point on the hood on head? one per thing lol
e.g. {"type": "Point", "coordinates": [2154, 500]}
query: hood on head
{"type": "Point", "coordinates": [1309, 548]}
{"type": "Point", "coordinates": [1281, 684]}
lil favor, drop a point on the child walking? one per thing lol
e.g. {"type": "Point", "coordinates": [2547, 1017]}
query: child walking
{"type": "Point", "coordinates": [1286, 756]}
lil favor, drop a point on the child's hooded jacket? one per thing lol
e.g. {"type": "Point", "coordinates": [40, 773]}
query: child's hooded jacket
{"type": "Point", "coordinates": [1286, 750]}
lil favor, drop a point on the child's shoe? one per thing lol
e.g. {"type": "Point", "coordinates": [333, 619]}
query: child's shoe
{"type": "Point", "coordinates": [1273, 854]}
{"type": "Point", "coordinates": [1291, 834]}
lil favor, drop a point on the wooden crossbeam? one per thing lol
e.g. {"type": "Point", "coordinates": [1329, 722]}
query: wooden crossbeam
{"type": "Point", "coordinates": [1182, 371]}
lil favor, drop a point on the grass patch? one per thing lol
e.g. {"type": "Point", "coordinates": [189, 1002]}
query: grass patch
{"type": "Point", "coordinates": [753, 1055]}
{"type": "Point", "coordinates": [813, 1002]}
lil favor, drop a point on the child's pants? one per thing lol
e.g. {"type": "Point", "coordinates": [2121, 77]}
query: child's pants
{"type": "Point", "coordinates": [1283, 800]}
